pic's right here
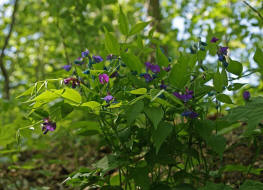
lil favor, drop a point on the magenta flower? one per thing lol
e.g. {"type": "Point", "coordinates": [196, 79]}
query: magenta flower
{"type": "Point", "coordinates": [75, 82]}
{"type": "Point", "coordinates": [48, 125]}
{"type": "Point", "coordinates": [97, 59]}
{"type": "Point", "coordinates": [246, 95]}
{"type": "Point", "coordinates": [214, 40]}
{"type": "Point", "coordinates": [103, 78]}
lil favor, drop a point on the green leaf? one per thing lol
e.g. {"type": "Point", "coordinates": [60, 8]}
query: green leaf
{"type": "Point", "coordinates": [179, 75]}
{"type": "Point", "coordinates": [139, 91]}
{"type": "Point", "coordinates": [109, 162]}
{"type": "Point", "coordinates": [46, 97]}
{"type": "Point", "coordinates": [173, 98]}
{"type": "Point", "coordinates": [154, 114]}
{"type": "Point", "coordinates": [224, 98]}
{"type": "Point", "coordinates": [217, 143]}
{"type": "Point", "coordinates": [235, 86]}
{"type": "Point", "coordinates": [132, 61]}
{"type": "Point", "coordinates": [251, 185]}
{"type": "Point", "coordinates": [218, 82]}
{"type": "Point", "coordinates": [163, 131]}
{"type": "Point", "coordinates": [91, 104]}
{"type": "Point", "coordinates": [258, 57]}
{"type": "Point", "coordinates": [162, 60]}
{"type": "Point", "coordinates": [213, 186]}
{"type": "Point", "coordinates": [111, 44]}
{"type": "Point", "coordinates": [134, 110]}
{"type": "Point", "coordinates": [140, 176]}
{"type": "Point", "coordinates": [224, 77]}
{"type": "Point", "coordinates": [138, 27]}
{"type": "Point", "coordinates": [27, 92]}
{"type": "Point", "coordinates": [234, 67]}
{"type": "Point", "coordinates": [69, 94]}
{"type": "Point", "coordinates": [123, 23]}
{"type": "Point", "coordinates": [252, 113]}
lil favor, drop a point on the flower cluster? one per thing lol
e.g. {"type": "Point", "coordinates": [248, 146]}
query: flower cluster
{"type": "Point", "coordinates": [48, 125]}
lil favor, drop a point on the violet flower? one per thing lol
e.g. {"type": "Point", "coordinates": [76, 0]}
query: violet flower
{"type": "Point", "coordinates": [48, 125]}
{"type": "Point", "coordinates": [184, 97]}
{"type": "Point", "coordinates": [163, 86]}
{"type": "Point", "coordinates": [97, 58]}
{"type": "Point", "coordinates": [214, 40]}
{"type": "Point", "coordinates": [155, 68]}
{"type": "Point", "coordinates": [223, 50]}
{"type": "Point", "coordinates": [246, 95]}
{"type": "Point", "coordinates": [190, 114]}
{"type": "Point", "coordinates": [148, 77]}
{"type": "Point", "coordinates": [85, 53]}
{"type": "Point", "coordinates": [103, 78]}
{"type": "Point", "coordinates": [114, 74]}
{"type": "Point", "coordinates": [67, 67]}
{"type": "Point", "coordinates": [108, 98]}
{"type": "Point", "coordinates": [167, 69]}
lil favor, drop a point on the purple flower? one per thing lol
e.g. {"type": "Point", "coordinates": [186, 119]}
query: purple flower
{"type": "Point", "coordinates": [190, 114]}
{"type": "Point", "coordinates": [147, 77]}
{"type": "Point", "coordinates": [184, 97]}
{"type": "Point", "coordinates": [155, 68]}
{"type": "Point", "coordinates": [114, 74]}
{"type": "Point", "coordinates": [246, 95]}
{"type": "Point", "coordinates": [97, 59]}
{"type": "Point", "coordinates": [103, 78]}
{"type": "Point", "coordinates": [163, 86]}
{"type": "Point", "coordinates": [148, 65]}
{"type": "Point", "coordinates": [214, 40]}
{"type": "Point", "coordinates": [223, 50]}
{"type": "Point", "coordinates": [110, 57]}
{"type": "Point", "coordinates": [167, 69]}
{"type": "Point", "coordinates": [67, 67]}
{"type": "Point", "coordinates": [48, 125]}
{"type": "Point", "coordinates": [85, 53]}
{"type": "Point", "coordinates": [108, 98]}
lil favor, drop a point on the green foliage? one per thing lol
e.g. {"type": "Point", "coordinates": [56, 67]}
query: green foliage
{"type": "Point", "coordinates": [153, 139]}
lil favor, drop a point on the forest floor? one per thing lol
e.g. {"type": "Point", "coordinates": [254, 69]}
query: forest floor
{"type": "Point", "coordinates": [49, 168]}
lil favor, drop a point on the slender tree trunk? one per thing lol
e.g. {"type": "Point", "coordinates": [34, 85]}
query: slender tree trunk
{"type": "Point", "coordinates": [154, 11]}
{"type": "Point", "coordinates": [6, 93]}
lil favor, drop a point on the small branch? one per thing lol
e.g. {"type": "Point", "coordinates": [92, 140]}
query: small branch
{"type": "Point", "coordinates": [253, 9]}
{"type": "Point", "coordinates": [2, 55]}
